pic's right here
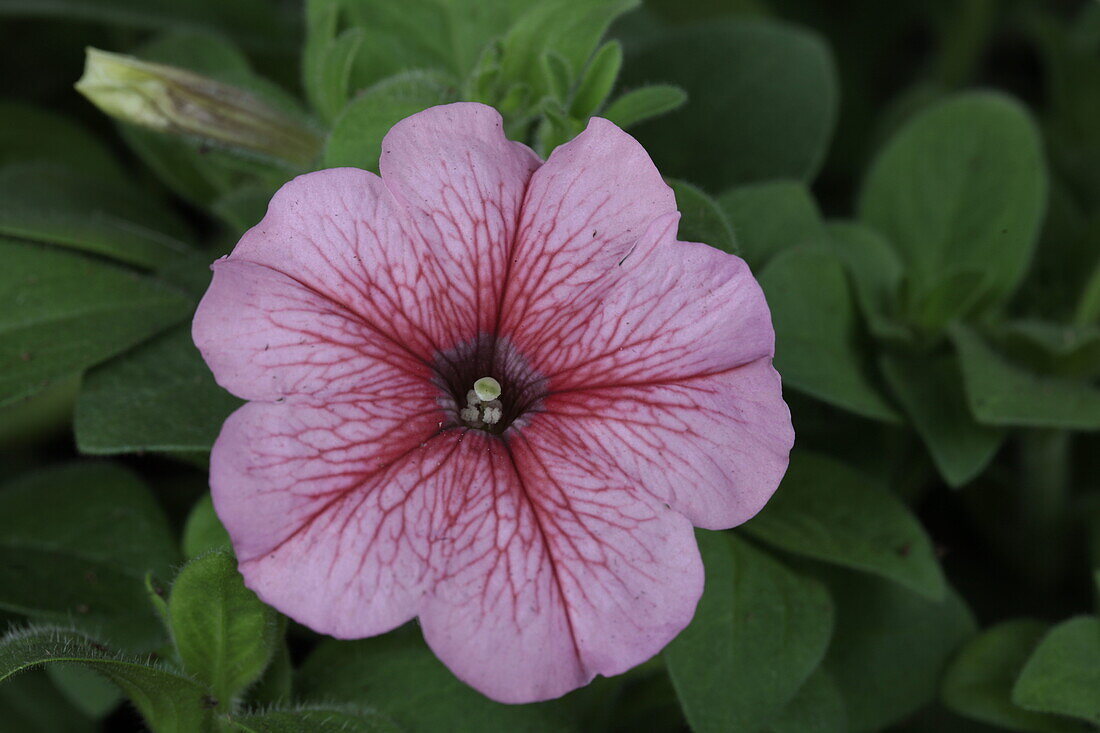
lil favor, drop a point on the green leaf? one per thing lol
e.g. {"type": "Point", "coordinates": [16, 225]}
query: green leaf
{"type": "Point", "coordinates": [169, 702]}
{"type": "Point", "coordinates": [640, 699]}
{"type": "Point", "coordinates": [826, 511]}
{"type": "Point", "coordinates": [876, 272]}
{"type": "Point", "coordinates": [224, 634]}
{"type": "Point", "coordinates": [51, 203]}
{"type": "Point", "coordinates": [30, 703]}
{"type": "Point", "coordinates": [157, 397]}
{"type": "Point", "coordinates": [41, 417]}
{"type": "Point", "coordinates": [241, 209]}
{"type": "Point", "coordinates": [817, 708]}
{"type": "Point", "coordinates": [326, 719]}
{"type": "Point", "coordinates": [819, 349]}
{"type": "Point", "coordinates": [978, 684]}
{"type": "Point", "coordinates": [61, 313]}
{"type": "Point", "coordinates": [930, 389]}
{"type": "Point", "coordinates": [331, 88]}
{"type": "Point", "coordinates": [961, 187]}
{"type": "Point", "coordinates": [890, 646]}
{"type": "Point", "coordinates": [204, 531]}
{"type": "Point", "coordinates": [701, 218]}
{"type": "Point", "coordinates": [559, 77]}
{"type": "Point", "coordinates": [953, 297]}
{"type": "Point", "coordinates": [398, 675]}
{"type": "Point", "coordinates": [1063, 674]}
{"type": "Point", "coordinates": [1088, 307]}
{"type": "Point", "coordinates": [645, 103]}
{"type": "Point", "coordinates": [759, 631]}
{"type": "Point", "coordinates": [771, 217]}
{"type": "Point", "coordinates": [277, 683]}
{"type": "Point", "coordinates": [356, 137]}
{"type": "Point", "coordinates": [253, 22]}
{"type": "Point", "coordinates": [761, 101]}
{"type": "Point", "coordinates": [88, 691]}
{"type": "Point", "coordinates": [598, 80]}
{"type": "Point", "coordinates": [37, 135]}
{"type": "Point", "coordinates": [447, 35]}
{"type": "Point", "coordinates": [84, 560]}
{"type": "Point", "coordinates": [569, 28]}
{"type": "Point", "coordinates": [1002, 393]}
{"type": "Point", "coordinates": [1054, 348]}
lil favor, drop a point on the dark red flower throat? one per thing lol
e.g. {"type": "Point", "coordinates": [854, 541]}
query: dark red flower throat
{"type": "Point", "coordinates": [522, 388]}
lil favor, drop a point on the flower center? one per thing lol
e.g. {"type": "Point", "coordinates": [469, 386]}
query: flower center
{"type": "Point", "coordinates": [482, 406]}
{"type": "Point", "coordinates": [491, 403]}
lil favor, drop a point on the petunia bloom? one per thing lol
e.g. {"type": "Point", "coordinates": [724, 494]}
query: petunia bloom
{"type": "Point", "coordinates": [493, 393]}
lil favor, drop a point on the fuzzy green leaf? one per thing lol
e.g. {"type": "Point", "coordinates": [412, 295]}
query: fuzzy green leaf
{"type": "Point", "coordinates": [644, 103]}
{"type": "Point", "coordinates": [598, 80]}
{"type": "Point", "coordinates": [224, 634]}
{"type": "Point", "coordinates": [978, 684]}
{"type": "Point", "coordinates": [62, 312]}
{"type": "Point", "coordinates": [771, 217]}
{"type": "Point", "coordinates": [826, 511]}
{"type": "Point", "coordinates": [326, 719]}
{"type": "Point", "coordinates": [169, 702]}
{"type": "Point", "coordinates": [755, 615]}
{"type": "Point", "coordinates": [819, 349]}
{"type": "Point", "coordinates": [157, 397]}
{"type": "Point", "coordinates": [701, 220]}
{"type": "Point", "coordinates": [54, 204]}
{"type": "Point", "coordinates": [203, 531]}
{"type": "Point", "coordinates": [961, 187]}
{"type": "Point", "coordinates": [85, 558]}
{"type": "Point", "coordinates": [762, 100]}
{"type": "Point", "coordinates": [1063, 674]}
{"type": "Point", "coordinates": [1003, 393]}
{"type": "Point", "coordinates": [356, 138]}
{"type": "Point", "coordinates": [931, 391]}
{"type": "Point", "coordinates": [890, 646]}
{"type": "Point", "coordinates": [817, 708]}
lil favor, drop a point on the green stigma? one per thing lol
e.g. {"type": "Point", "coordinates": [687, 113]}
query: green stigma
{"type": "Point", "coordinates": [487, 389]}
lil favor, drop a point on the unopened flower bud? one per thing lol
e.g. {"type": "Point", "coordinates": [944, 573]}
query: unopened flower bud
{"type": "Point", "coordinates": [174, 100]}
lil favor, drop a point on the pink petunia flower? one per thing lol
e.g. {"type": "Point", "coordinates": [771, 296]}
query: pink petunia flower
{"type": "Point", "coordinates": [540, 523]}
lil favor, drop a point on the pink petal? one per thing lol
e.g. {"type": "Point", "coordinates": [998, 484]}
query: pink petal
{"type": "Point", "coordinates": [328, 508]}
{"type": "Point", "coordinates": [462, 182]}
{"type": "Point", "coordinates": [526, 587]}
{"type": "Point", "coordinates": [713, 447]}
{"type": "Point", "coordinates": [630, 305]}
{"type": "Point", "coordinates": [554, 570]}
{"type": "Point", "coordinates": [419, 259]}
{"type": "Point", "coordinates": [584, 209]}
{"type": "Point", "coordinates": [265, 336]}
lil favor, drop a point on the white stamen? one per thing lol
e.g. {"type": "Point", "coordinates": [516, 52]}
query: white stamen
{"type": "Point", "coordinates": [469, 414]}
{"type": "Point", "coordinates": [472, 399]}
{"type": "Point", "coordinates": [492, 414]}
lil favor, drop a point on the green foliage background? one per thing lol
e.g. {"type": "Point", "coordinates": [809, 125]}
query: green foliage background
{"type": "Point", "coordinates": [917, 187]}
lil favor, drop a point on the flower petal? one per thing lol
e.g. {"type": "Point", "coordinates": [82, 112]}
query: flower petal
{"type": "Point", "coordinates": [339, 233]}
{"type": "Point", "coordinates": [421, 256]}
{"type": "Point", "coordinates": [631, 304]}
{"type": "Point", "coordinates": [265, 336]}
{"type": "Point", "coordinates": [584, 209]}
{"type": "Point", "coordinates": [327, 507]}
{"type": "Point", "coordinates": [462, 182]}
{"type": "Point", "coordinates": [554, 571]}
{"type": "Point", "coordinates": [713, 447]}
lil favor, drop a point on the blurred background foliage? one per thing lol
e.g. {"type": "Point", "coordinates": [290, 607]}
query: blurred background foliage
{"type": "Point", "coordinates": [916, 185]}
